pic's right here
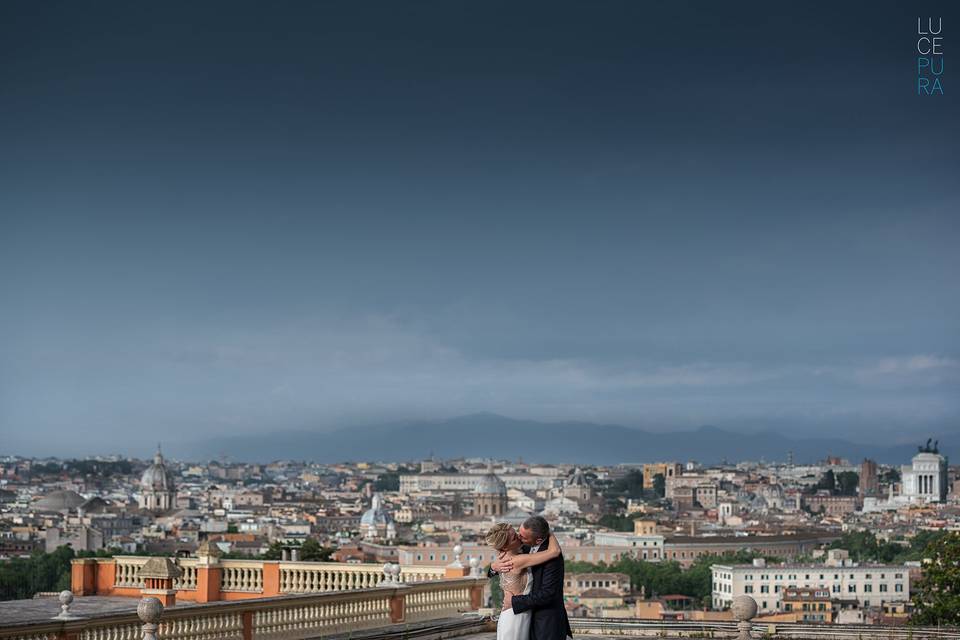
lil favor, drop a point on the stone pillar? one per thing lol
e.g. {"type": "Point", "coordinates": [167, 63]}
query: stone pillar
{"type": "Point", "coordinates": [271, 578]}
{"type": "Point", "coordinates": [476, 595]}
{"type": "Point", "coordinates": [398, 611]}
{"type": "Point", "coordinates": [208, 583]}
{"type": "Point", "coordinates": [247, 625]}
{"type": "Point", "coordinates": [158, 575]}
{"type": "Point", "coordinates": [744, 608]}
{"type": "Point", "coordinates": [456, 569]}
{"type": "Point", "coordinates": [209, 572]}
{"type": "Point", "coordinates": [83, 576]}
{"type": "Point", "coordinates": [149, 610]}
{"type": "Point", "coordinates": [66, 599]}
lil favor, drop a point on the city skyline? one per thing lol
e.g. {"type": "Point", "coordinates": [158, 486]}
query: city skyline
{"type": "Point", "coordinates": [224, 221]}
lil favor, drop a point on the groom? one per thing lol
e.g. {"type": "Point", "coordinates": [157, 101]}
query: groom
{"type": "Point", "coordinates": [545, 600]}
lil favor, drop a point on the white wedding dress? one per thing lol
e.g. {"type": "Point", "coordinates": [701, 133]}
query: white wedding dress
{"type": "Point", "coordinates": [510, 625]}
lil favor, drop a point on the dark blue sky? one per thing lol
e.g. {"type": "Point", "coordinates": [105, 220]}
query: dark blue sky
{"type": "Point", "coordinates": [240, 217]}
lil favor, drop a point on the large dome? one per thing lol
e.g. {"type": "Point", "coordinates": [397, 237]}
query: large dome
{"type": "Point", "coordinates": [577, 479]}
{"type": "Point", "coordinates": [490, 485]}
{"type": "Point", "coordinates": [375, 514]}
{"type": "Point", "coordinates": [156, 476]}
{"type": "Point", "coordinates": [59, 501]}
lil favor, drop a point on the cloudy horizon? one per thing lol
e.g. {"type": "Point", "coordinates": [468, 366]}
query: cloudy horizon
{"type": "Point", "coordinates": [219, 220]}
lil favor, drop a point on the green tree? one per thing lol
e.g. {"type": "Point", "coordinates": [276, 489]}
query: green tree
{"type": "Point", "coordinates": [311, 551]}
{"type": "Point", "coordinates": [631, 485]}
{"type": "Point", "coordinates": [919, 544]}
{"type": "Point", "coordinates": [21, 578]}
{"type": "Point", "coordinates": [387, 482]}
{"type": "Point", "coordinates": [827, 481]}
{"type": "Point", "coordinates": [617, 523]}
{"type": "Point", "coordinates": [847, 483]}
{"type": "Point", "coordinates": [660, 485]}
{"type": "Point", "coordinates": [890, 475]}
{"type": "Point", "coordinates": [937, 597]}
{"type": "Point", "coordinates": [666, 577]}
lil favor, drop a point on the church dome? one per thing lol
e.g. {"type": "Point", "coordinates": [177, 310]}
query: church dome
{"type": "Point", "coordinates": [577, 479]}
{"type": "Point", "coordinates": [156, 476]}
{"type": "Point", "coordinates": [490, 485]}
{"type": "Point", "coordinates": [375, 514]}
{"type": "Point", "coordinates": [67, 500]}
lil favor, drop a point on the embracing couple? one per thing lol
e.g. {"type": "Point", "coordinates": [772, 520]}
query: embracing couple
{"type": "Point", "coordinates": [531, 576]}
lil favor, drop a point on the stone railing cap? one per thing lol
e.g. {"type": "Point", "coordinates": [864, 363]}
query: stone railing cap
{"type": "Point", "coordinates": [210, 549]}
{"type": "Point", "coordinates": [159, 568]}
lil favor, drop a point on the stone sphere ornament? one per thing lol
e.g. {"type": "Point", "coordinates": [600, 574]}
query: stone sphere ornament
{"type": "Point", "coordinates": [149, 610]}
{"type": "Point", "coordinates": [66, 599]}
{"type": "Point", "coordinates": [744, 608]}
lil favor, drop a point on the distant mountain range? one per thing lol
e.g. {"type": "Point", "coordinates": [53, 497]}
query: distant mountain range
{"type": "Point", "coordinates": [491, 435]}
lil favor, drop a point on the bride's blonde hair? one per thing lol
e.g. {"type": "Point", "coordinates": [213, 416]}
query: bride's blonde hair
{"type": "Point", "coordinates": [499, 536]}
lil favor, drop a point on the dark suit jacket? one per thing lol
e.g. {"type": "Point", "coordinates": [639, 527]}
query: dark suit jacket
{"type": "Point", "coordinates": [545, 601]}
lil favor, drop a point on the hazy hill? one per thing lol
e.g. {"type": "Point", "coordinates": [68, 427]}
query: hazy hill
{"type": "Point", "coordinates": [482, 435]}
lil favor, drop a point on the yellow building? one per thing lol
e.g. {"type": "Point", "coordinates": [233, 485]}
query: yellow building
{"type": "Point", "coordinates": [665, 469]}
{"type": "Point", "coordinates": [644, 527]}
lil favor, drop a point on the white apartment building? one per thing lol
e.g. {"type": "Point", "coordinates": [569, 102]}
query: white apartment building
{"type": "Point", "coordinates": [871, 585]}
{"type": "Point", "coordinates": [644, 547]}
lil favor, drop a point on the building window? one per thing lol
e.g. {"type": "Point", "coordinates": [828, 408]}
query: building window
{"type": "Point", "coordinates": [852, 588]}
{"type": "Point", "coordinates": [883, 588]}
{"type": "Point", "coordinates": [868, 588]}
{"type": "Point", "coordinates": [748, 588]}
{"type": "Point", "coordinates": [898, 588]}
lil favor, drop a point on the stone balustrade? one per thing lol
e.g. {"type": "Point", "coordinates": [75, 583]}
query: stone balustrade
{"type": "Point", "coordinates": [127, 569]}
{"type": "Point", "coordinates": [241, 575]}
{"type": "Point", "coordinates": [313, 577]}
{"type": "Point", "coordinates": [202, 581]}
{"type": "Point", "coordinates": [288, 617]}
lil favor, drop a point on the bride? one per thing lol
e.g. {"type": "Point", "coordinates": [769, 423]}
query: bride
{"type": "Point", "coordinates": [503, 538]}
